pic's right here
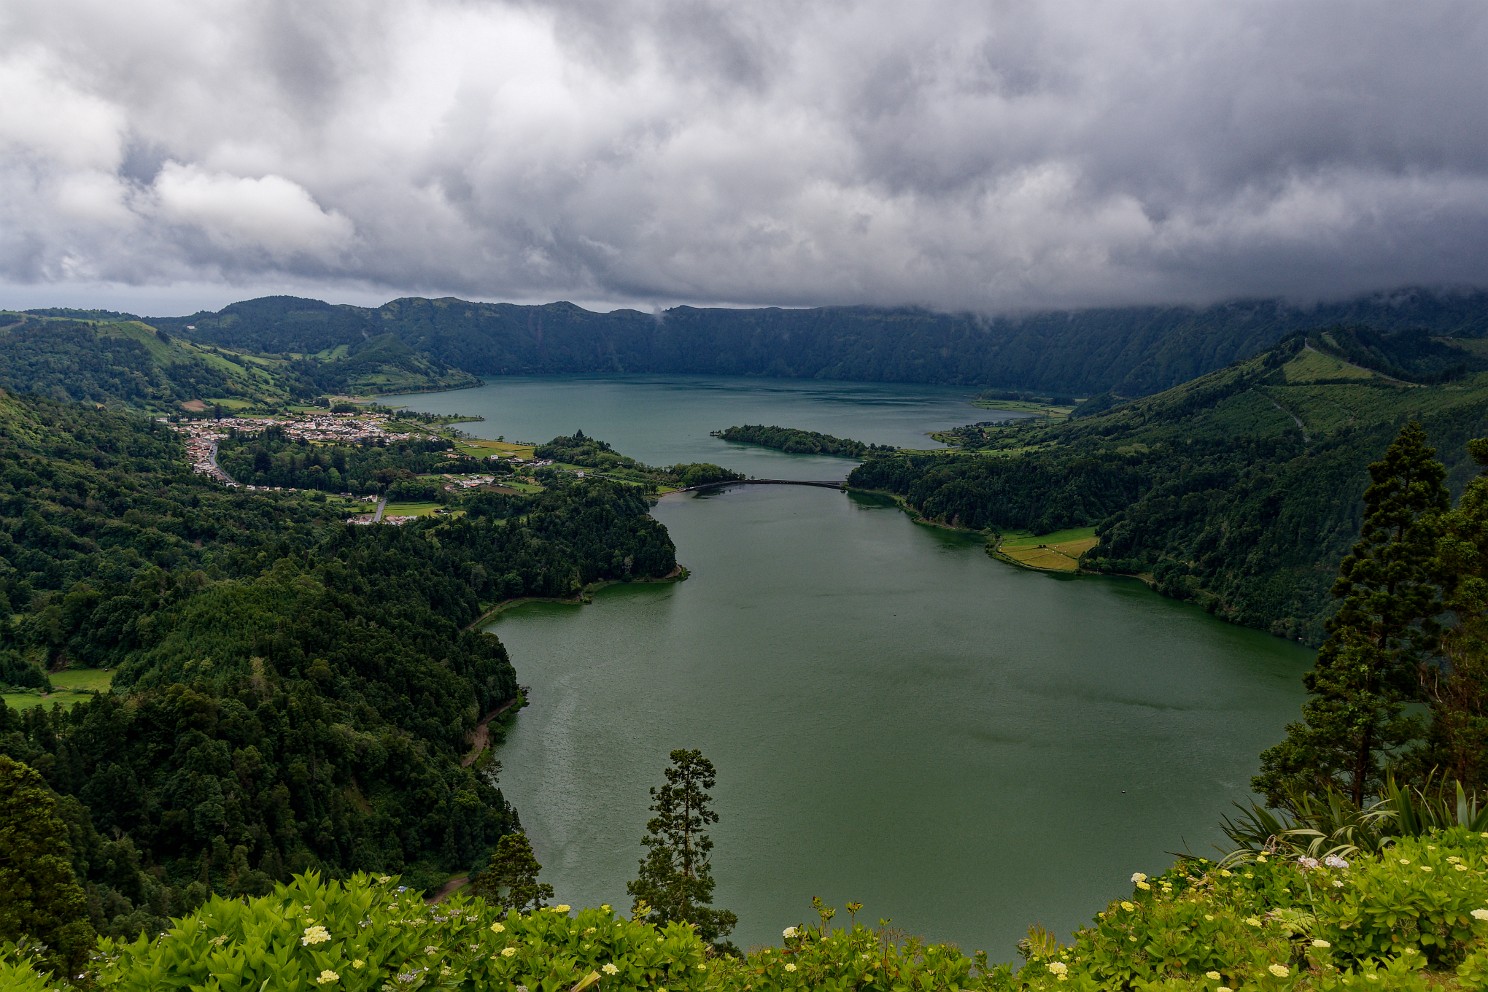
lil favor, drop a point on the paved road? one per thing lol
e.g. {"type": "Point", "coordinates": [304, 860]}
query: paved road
{"type": "Point", "coordinates": [217, 469]}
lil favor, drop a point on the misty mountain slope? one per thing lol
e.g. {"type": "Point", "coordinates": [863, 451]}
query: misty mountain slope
{"type": "Point", "coordinates": [1129, 352]}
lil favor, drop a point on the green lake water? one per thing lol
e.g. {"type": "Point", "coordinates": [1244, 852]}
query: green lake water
{"type": "Point", "coordinates": [896, 718]}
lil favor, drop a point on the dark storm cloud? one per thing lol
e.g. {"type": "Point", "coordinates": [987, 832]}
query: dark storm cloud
{"type": "Point", "coordinates": [993, 156]}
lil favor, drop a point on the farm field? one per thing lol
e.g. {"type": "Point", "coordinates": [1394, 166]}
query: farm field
{"type": "Point", "coordinates": [68, 689]}
{"type": "Point", "coordinates": [1056, 552]}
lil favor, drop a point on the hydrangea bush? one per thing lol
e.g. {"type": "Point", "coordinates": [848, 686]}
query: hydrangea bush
{"type": "Point", "coordinates": [1414, 917]}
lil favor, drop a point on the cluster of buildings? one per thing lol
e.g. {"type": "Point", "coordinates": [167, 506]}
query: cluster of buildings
{"type": "Point", "coordinates": [201, 436]}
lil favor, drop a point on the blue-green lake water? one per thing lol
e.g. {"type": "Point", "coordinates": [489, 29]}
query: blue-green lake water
{"type": "Point", "coordinates": [896, 718]}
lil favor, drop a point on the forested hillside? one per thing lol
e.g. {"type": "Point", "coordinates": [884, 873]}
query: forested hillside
{"type": "Point", "coordinates": [289, 692]}
{"type": "Point", "coordinates": [1240, 490]}
{"type": "Point", "coordinates": [1130, 352]}
{"type": "Point", "coordinates": [114, 358]}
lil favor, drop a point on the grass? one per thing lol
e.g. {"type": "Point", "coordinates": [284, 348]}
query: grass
{"type": "Point", "coordinates": [1311, 366]}
{"type": "Point", "coordinates": [484, 448]}
{"type": "Point", "coordinates": [411, 509]}
{"type": "Point", "coordinates": [1059, 551]}
{"type": "Point", "coordinates": [69, 688]}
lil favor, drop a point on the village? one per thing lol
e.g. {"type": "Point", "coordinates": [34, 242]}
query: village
{"type": "Point", "coordinates": [202, 437]}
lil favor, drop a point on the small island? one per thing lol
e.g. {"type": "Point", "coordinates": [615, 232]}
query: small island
{"type": "Point", "coordinates": [793, 441]}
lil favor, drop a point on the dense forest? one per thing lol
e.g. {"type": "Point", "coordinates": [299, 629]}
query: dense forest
{"type": "Point", "coordinates": [580, 449]}
{"type": "Point", "coordinates": [795, 441]}
{"type": "Point", "coordinates": [289, 693]}
{"type": "Point", "coordinates": [1238, 490]}
{"type": "Point", "coordinates": [89, 357]}
{"type": "Point", "coordinates": [1129, 352]}
{"type": "Point", "coordinates": [72, 360]}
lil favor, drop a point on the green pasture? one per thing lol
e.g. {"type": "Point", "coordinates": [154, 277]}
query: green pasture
{"type": "Point", "coordinates": [480, 447]}
{"type": "Point", "coordinates": [1312, 366]}
{"type": "Point", "coordinates": [69, 688]}
{"type": "Point", "coordinates": [411, 509]}
{"type": "Point", "coordinates": [1058, 551]}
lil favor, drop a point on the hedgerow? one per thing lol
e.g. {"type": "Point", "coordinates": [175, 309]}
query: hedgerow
{"type": "Point", "coordinates": [1414, 916]}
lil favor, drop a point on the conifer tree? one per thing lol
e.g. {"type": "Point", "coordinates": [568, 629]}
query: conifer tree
{"type": "Point", "coordinates": [675, 883]}
{"type": "Point", "coordinates": [40, 898]}
{"type": "Point", "coordinates": [510, 876]}
{"type": "Point", "coordinates": [1380, 640]}
{"type": "Point", "coordinates": [1457, 688]}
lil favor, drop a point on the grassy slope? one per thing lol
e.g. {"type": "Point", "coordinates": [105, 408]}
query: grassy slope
{"type": "Point", "coordinates": [68, 689]}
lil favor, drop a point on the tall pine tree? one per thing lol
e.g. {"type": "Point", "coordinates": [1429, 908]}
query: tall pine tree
{"type": "Point", "coordinates": [1380, 641]}
{"type": "Point", "coordinates": [675, 883]}
{"type": "Point", "coordinates": [1457, 688]}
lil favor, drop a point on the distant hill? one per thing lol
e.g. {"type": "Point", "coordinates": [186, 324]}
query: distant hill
{"type": "Point", "coordinates": [1126, 351]}
{"type": "Point", "coordinates": [1240, 489]}
{"type": "Point", "coordinates": [102, 357]}
{"type": "Point", "coordinates": [118, 360]}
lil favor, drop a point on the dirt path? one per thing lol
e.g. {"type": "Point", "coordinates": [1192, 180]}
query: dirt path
{"type": "Point", "coordinates": [448, 889]}
{"type": "Point", "coordinates": [1295, 419]}
{"type": "Point", "coordinates": [480, 738]}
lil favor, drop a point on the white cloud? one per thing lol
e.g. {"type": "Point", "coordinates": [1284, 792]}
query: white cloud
{"type": "Point", "coordinates": [46, 119]}
{"type": "Point", "coordinates": [269, 213]}
{"type": "Point", "coordinates": [951, 152]}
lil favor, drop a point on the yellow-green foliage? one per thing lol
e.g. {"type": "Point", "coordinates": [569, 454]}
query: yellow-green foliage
{"type": "Point", "coordinates": [364, 934]}
{"type": "Point", "coordinates": [18, 972]}
{"type": "Point", "coordinates": [1056, 552]}
{"type": "Point", "coordinates": [1311, 365]}
{"type": "Point", "coordinates": [68, 689]}
{"type": "Point", "coordinates": [1287, 923]}
{"type": "Point", "coordinates": [1415, 917]}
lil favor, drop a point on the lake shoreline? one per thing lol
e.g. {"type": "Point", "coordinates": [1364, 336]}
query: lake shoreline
{"type": "Point", "coordinates": [584, 595]}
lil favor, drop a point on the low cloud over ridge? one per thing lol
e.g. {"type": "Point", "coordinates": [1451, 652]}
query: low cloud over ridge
{"type": "Point", "coordinates": [959, 154]}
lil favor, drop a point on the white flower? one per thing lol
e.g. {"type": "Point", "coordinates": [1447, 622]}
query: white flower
{"type": "Point", "coordinates": [1320, 942]}
{"type": "Point", "coordinates": [790, 967]}
{"type": "Point", "coordinates": [609, 968]}
{"type": "Point", "coordinates": [315, 935]}
{"type": "Point", "coordinates": [1308, 863]}
{"type": "Point", "coordinates": [1334, 861]}
{"type": "Point", "coordinates": [1058, 967]}
{"type": "Point", "coordinates": [1138, 877]}
{"type": "Point", "coordinates": [507, 952]}
{"type": "Point", "coordinates": [1279, 970]}
{"type": "Point", "coordinates": [327, 977]}
{"type": "Point", "coordinates": [788, 933]}
{"type": "Point", "coordinates": [1480, 914]}
{"type": "Point", "coordinates": [1213, 976]}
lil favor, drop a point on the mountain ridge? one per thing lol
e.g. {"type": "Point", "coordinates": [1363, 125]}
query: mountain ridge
{"type": "Point", "coordinates": [1128, 351]}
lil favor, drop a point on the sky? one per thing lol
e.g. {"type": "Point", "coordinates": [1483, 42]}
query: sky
{"type": "Point", "coordinates": [165, 156]}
